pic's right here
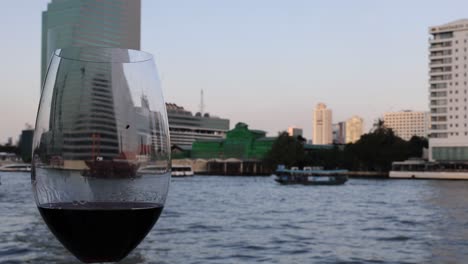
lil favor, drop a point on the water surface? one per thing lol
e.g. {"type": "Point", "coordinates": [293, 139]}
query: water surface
{"type": "Point", "coordinates": [209, 219]}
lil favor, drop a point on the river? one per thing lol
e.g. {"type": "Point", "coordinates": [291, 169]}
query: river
{"type": "Point", "coordinates": [210, 219]}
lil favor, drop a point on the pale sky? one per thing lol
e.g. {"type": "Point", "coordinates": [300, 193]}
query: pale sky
{"type": "Point", "coordinates": [263, 62]}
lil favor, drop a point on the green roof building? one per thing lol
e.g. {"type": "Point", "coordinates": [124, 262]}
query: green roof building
{"type": "Point", "coordinates": [240, 143]}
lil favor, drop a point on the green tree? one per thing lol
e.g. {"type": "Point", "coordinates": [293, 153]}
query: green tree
{"type": "Point", "coordinates": [416, 146]}
{"type": "Point", "coordinates": [377, 150]}
{"type": "Point", "coordinates": [286, 150]}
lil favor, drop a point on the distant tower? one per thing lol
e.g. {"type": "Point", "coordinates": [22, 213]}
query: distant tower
{"type": "Point", "coordinates": [322, 126]}
{"type": "Point", "coordinates": [81, 23]}
{"type": "Point", "coordinates": [294, 131]}
{"type": "Point", "coordinates": [354, 129]}
{"type": "Point", "coordinates": [339, 133]}
{"type": "Point", "coordinates": [202, 105]}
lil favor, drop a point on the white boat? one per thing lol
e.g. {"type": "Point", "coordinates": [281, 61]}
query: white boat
{"type": "Point", "coordinates": [420, 169]}
{"type": "Point", "coordinates": [182, 170]}
{"type": "Point", "coordinates": [16, 167]}
{"type": "Point", "coordinates": [152, 169]}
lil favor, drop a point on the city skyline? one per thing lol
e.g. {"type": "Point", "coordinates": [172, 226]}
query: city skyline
{"type": "Point", "coordinates": [263, 55]}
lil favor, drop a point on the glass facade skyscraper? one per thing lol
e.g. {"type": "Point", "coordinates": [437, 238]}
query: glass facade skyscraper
{"type": "Point", "coordinates": [81, 23]}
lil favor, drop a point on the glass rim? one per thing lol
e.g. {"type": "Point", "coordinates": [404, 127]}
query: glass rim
{"type": "Point", "coordinates": [105, 54]}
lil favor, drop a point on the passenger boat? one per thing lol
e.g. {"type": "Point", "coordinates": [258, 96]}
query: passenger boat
{"type": "Point", "coordinates": [182, 170]}
{"type": "Point", "coordinates": [16, 167]}
{"type": "Point", "coordinates": [310, 176]}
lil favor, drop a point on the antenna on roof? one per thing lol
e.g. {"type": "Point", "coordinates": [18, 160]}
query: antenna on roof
{"type": "Point", "coordinates": [202, 105]}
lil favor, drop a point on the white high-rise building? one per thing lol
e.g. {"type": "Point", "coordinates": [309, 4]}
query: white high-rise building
{"type": "Point", "coordinates": [354, 129]}
{"type": "Point", "coordinates": [322, 126]}
{"type": "Point", "coordinates": [407, 123]}
{"type": "Point", "coordinates": [294, 131]}
{"type": "Point", "coordinates": [448, 62]}
{"type": "Point", "coordinates": [81, 23]}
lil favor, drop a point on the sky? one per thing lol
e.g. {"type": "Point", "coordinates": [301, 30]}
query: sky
{"type": "Point", "coordinates": [266, 63]}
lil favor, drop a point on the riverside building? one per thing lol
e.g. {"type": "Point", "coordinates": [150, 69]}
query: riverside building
{"type": "Point", "coordinates": [407, 123]}
{"type": "Point", "coordinates": [448, 87]}
{"type": "Point", "coordinates": [81, 23]}
{"type": "Point", "coordinates": [322, 126]}
{"type": "Point", "coordinates": [185, 128]}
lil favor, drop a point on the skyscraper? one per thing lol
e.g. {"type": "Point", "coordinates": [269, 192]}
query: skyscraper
{"type": "Point", "coordinates": [322, 126]}
{"type": "Point", "coordinates": [81, 23]}
{"type": "Point", "coordinates": [354, 129]}
{"type": "Point", "coordinates": [448, 91]}
{"type": "Point", "coordinates": [339, 133]}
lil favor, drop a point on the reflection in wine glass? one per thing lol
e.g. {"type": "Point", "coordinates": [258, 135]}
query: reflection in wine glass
{"type": "Point", "coordinates": [101, 156]}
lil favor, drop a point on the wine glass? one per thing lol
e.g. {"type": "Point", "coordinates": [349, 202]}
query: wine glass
{"type": "Point", "coordinates": [101, 155]}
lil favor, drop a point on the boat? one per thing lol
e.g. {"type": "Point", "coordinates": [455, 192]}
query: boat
{"type": "Point", "coordinates": [421, 169]}
{"type": "Point", "coordinates": [182, 170]}
{"type": "Point", "coordinates": [310, 176]}
{"type": "Point", "coordinates": [115, 168]}
{"type": "Point", "coordinates": [153, 169]}
{"type": "Point", "coordinates": [19, 167]}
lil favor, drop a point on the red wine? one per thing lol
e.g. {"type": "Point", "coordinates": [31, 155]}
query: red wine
{"type": "Point", "coordinates": [100, 232]}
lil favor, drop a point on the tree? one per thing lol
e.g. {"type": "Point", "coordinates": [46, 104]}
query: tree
{"type": "Point", "coordinates": [416, 146]}
{"type": "Point", "coordinates": [286, 150]}
{"type": "Point", "coordinates": [377, 150]}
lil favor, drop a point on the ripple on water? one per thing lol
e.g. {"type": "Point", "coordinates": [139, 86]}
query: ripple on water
{"type": "Point", "coordinates": [394, 238]}
{"type": "Point", "coordinates": [246, 220]}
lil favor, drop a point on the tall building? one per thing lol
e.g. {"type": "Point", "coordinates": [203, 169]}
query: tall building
{"type": "Point", "coordinates": [185, 128]}
{"type": "Point", "coordinates": [407, 123]}
{"type": "Point", "coordinates": [339, 133]}
{"type": "Point", "coordinates": [448, 91]}
{"type": "Point", "coordinates": [322, 126]}
{"type": "Point", "coordinates": [354, 129]}
{"type": "Point", "coordinates": [81, 23]}
{"type": "Point", "coordinates": [294, 131]}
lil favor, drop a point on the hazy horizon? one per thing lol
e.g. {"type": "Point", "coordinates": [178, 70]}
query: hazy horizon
{"type": "Point", "coordinates": [266, 63]}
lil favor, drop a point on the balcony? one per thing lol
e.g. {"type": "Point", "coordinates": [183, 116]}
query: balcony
{"type": "Point", "coordinates": [439, 127]}
{"type": "Point", "coordinates": [441, 62]}
{"type": "Point", "coordinates": [440, 54]}
{"type": "Point", "coordinates": [441, 102]}
{"type": "Point", "coordinates": [445, 44]}
{"type": "Point", "coordinates": [436, 70]}
{"type": "Point", "coordinates": [438, 135]}
{"type": "Point", "coordinates": [440, 77]}
{"type": "Point", "coordinates": [439, 119]}
{"type": "Point", "coordinates": [438, 94]}
{"type": "Point", "coordinates": [438, 86]}
{"type": "Point", "coordinates": [438, 37]}
{"type": "Point", "coordinates": [442, 110]}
